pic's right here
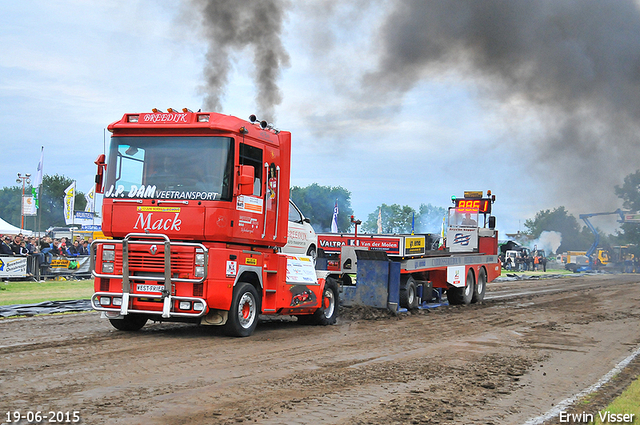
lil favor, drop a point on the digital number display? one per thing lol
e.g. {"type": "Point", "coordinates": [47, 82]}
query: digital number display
{"type": "Point", "coordinates": [474, 205]}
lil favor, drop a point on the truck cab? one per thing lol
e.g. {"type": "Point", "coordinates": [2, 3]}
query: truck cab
{"type": "Point", "coordinates": [197, 206]}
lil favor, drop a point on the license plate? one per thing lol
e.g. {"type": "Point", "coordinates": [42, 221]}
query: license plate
{"type": "Point", "coordinates": [149, 288]}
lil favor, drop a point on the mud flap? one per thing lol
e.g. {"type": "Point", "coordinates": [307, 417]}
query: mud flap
{"type": "Point", "coordinates": [456, 276]}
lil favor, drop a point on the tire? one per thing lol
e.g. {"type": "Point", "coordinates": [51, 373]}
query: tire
{"type": "Point", "coordinates": [327, 314]}
{"type": "Point", "coordinates": [408, 293]}
{"type": "Point", "coordinates": [245, 308]}
{"type": "Point", "coordinates": [480, 287]}
{"type": "Point", "coordinates": [457, 296]}
{"type": "Point", "coordinates": [313, 253]}
{"type": "Point", "coordinates": [129, 323]}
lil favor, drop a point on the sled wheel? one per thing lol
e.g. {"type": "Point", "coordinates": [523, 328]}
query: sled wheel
{"type": "Point", "coordinates": [408, 293]}
{"type": "Point", "coordinates": [480, 287]}
{"type": "Point", "coordinates": [457, 296]}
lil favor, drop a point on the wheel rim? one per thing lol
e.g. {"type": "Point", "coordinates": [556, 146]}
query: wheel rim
{"type": "Point", "coordinates": [467, 289]}
{"type": "Point", "coordinates": [246, 310]}
{"type": "Point", "coordinates": [328, 303]}
{"type": "Point", "coordinates": [411, 295]}
{"type": "Point", "coordinates": [480, 284]}
{"type": "Point", "coordinates": [313, 254]}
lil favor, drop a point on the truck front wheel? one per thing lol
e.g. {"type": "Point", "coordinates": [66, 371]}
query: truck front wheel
{"type": "Point", "coordinates": [243, 315]}
{"type": "Point", "coordinates": [129, 323]}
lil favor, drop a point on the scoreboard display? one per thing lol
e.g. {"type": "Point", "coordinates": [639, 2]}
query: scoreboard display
{"type": "Point", "coordinates": [473, 205]}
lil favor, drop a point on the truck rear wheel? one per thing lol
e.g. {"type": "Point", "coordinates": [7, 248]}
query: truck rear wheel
{"type": "Point", "coordinates": [480, 287]}
{"type": "Point", "coordinates": [129, 323]}
{"type": "Point", "coordinates": [408, 293]}
{"type": "Point", "coordinates": [327, 314]}
{"type": "Point", "coordinates": [243, 315]}
{"type": "Point", "coordinates": [457, 296]}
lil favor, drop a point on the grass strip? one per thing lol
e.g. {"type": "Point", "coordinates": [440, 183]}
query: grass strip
{"type": "Point", "coordinates": [50, 290]}
{"type": "Point", "coordinates": [627, 403]}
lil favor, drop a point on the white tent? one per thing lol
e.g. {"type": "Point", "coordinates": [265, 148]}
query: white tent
{"type": "Point", "coordinates": [8, 229]}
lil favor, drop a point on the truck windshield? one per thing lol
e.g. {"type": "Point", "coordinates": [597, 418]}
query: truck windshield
{"type": "Point", "coordinates": [198, 168]}
{"type": "Point", "coordinates": [463, 217]}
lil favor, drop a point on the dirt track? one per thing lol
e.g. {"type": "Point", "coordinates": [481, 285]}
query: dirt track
{"type": "Point", "coordinates": [503, 362]}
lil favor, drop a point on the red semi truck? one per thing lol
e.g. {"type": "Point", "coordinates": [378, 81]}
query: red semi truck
{"type": "Point", "coordinates": [197, 205]}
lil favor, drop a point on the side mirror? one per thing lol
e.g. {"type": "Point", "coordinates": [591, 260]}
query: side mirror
{"type": "Point", "coordinates": [102, 166]}
{"type": "Point", "coordinates": [245, 180]}
{"type": "Point", "coordinates": [492, 222]}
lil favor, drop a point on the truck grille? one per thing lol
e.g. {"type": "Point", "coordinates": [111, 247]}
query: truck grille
{"type": "Point", "coordinates": [140, 259]}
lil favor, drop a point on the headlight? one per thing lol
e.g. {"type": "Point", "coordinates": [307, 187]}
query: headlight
{"type": "Point", "coordinates": [197, 306]}
{"type": "Point", "coordinates": [184, 305]}
{"type": "Point", "coordinates": [108, 255]}
{"type": "Point", "coordinates": [117, 301]}
{"type": "Point", "coordinates": [107, 267]}
{"type": "Point", "coordinates": [105, 300]}
{"type": "Point", "coordinates": [199, 271]}
{"type": "Point", "coordinates": [199, 259]}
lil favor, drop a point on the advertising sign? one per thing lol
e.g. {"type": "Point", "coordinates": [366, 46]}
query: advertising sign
{"type": "Point", "coordinates": [29, 206]}
{"type": "Point", "coordinates": [13, 266]}
{"type": "Point", "coordinates": [69, 203]}
{"type": "Point", "coordinates": [333, 243]}
{"type": "Point", "coordinates": [300, 269]}
{"type": "Point", "coordinates": [462, 239]}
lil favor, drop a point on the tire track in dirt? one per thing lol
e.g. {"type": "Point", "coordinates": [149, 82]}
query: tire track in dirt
{"type": "Point", "coordinates": [452, 364]}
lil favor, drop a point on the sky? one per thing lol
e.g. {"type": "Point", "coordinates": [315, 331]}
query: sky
{"type": "Point", "coordinates": [405, 102]}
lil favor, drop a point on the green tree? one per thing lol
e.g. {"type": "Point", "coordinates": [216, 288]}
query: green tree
{"type": "Point", "coordinates": [393, 219]}
{"type": "Point", "coordinates": [574, 236]}
{"type": "Point", "coordinates": [317, 203]}
{"type": "Point", "coordinates": [51, 200]}
{"type": "Point", "coordinates": [398, 219]}
{"type": "Point", "coordinates": [10, 208]}
{"type": "Point", "coordinates": [629, 192]}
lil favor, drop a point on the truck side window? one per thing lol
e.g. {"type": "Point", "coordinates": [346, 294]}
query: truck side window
{"type": "Point", "coordinates": [250, 155]}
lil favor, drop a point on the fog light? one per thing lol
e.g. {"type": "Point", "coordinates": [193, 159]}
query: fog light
{"type": "Point", "coordinates": [105, 300]}
{"type": "Point", "coordinates": [184, 305]}
{"type": "Point", "coordinates": [117, 301]}
{"type": "Point", "coordinates": [107, 267]}
{"type": "Point", "coordinates": [199, 271]}
{"type": "Point", "coordinates": [198, 306]}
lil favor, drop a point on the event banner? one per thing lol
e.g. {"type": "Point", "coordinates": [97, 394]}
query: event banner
{"type": "Point", "coordinates": [69, 203]}
{"type": "Point", "coordinates": [29, 206]}
{"type": "Point", "coordinates": [13, 266]}
{"type": "Point", "coordinates": [71, 265]}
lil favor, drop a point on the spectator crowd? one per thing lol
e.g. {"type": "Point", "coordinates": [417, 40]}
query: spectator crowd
{"type": "Point", "coordinates": [41, 251]}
